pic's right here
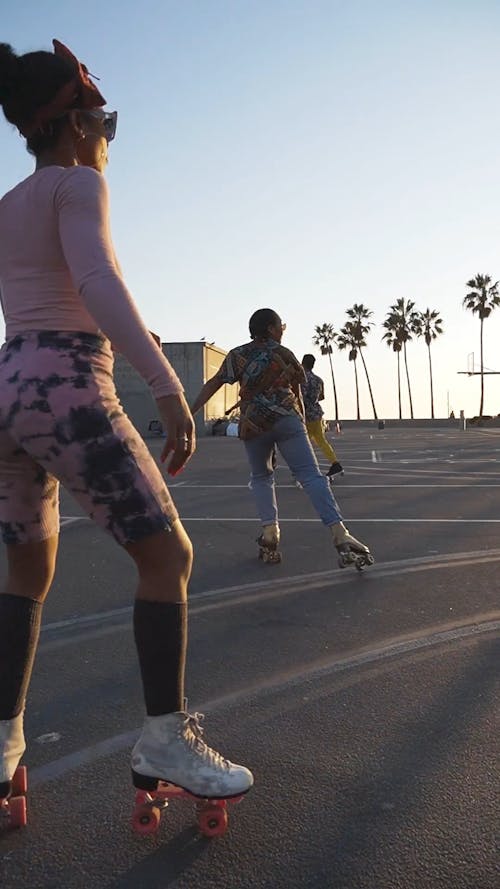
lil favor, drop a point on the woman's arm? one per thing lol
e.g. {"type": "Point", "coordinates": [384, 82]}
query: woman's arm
{"type": "Point", "coordinates": [81, 199]}
{"type": "Point", "coordinates": [298, 393]}
{"type": "Point", "coordinates": [210, 388]}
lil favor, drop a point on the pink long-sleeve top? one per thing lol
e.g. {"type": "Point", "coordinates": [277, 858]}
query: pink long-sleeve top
{"type": "Point", "coordinates": [58, 269]}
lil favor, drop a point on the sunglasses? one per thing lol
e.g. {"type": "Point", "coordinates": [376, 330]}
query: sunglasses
{"type": "Point", "coordinates": [108, 120]}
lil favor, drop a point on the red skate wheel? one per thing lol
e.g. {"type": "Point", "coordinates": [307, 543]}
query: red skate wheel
{"type": "Point", "coordinates": [146, 819]}
{"type": "Point", "coordinates": [17, 811]}
{"type": "Point", "coordinates": [20, 781]}
{"type": "Point", "coordinates": [213, 821]}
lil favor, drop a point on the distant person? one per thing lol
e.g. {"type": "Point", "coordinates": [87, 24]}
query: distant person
{"type": "Point", "coordinates": [272, 415]}
{"type": "Point", "coordinates": [64, 301]}
{"type": "Point", "coordinates": [313, 391]}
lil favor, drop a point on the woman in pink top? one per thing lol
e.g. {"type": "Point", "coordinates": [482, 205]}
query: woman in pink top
{"type": "Point", "coordinates": [65, 302]}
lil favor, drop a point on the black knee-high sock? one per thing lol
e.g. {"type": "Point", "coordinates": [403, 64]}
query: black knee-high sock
{"type": "Point", "coordinates": [160, 630]}
{"type": "Point", "coordinates": [19, 631]}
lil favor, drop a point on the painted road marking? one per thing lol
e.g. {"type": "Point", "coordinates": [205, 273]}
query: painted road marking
{"type": "Point", "coordinates": [105, 622]}
{"type": "Point", "coordinates": [69, 520]}
{"type": "Point", "coordinates": [199, 486]}
{"type": "Point", "coordinates": [394, 521]}
{"type": "Point", "coordinates": [349, 520]}
{"type": "Point", "coordinates": [392, 648]}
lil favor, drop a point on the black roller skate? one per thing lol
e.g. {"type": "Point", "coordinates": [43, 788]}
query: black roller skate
{"type": "Point", "coordinates": [335, 471]}
{"type": "Point", "coordinates": [268, 543]}
{"type": "Point", "coordinates": [350, 550]}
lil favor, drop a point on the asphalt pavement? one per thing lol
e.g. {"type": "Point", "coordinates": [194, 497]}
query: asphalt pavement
{"type": "Point", "coordinates": [366, 704]}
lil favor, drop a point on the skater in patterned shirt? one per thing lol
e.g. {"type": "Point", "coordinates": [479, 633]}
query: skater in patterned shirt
{"type": "Point", "coordinates": [272, 415]}
{"type": "Point", "coordinates": [313, 391]}
{"type": "Point", "coordinates": [65, 302]}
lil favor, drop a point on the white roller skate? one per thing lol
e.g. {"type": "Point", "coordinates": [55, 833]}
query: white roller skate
{"type": "Point", "coordinates": [171, 750]}
{"type": "Point", "coordinates": [268, 543]}
{"type": "Point", "coordinates": [350, 550]}
{"type": "Point", "coordinates": [13, 780]}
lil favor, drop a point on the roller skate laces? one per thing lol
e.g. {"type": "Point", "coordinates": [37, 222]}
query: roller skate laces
{"type": "Point", "coordinates": [172, 750]}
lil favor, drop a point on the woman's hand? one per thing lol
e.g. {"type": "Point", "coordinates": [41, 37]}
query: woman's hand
{"type": "Point", "coordinates": [178, 424]}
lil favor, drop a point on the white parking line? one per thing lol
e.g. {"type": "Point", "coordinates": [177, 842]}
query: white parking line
{"type": "Point", "coordinates": [189, 486]}
{"type": "Point", "coordinates": [68, 520]}
{"type": "Point", "coordinates": [350, 520]}
{"type": "Point", "coordinates": [367, 520]}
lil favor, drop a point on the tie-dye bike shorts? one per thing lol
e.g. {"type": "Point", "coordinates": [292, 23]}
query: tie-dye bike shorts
{"type": "Point", "coordinates": [61, 422]}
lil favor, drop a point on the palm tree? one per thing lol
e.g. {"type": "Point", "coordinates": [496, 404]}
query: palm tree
{"type": "Point", "coordinates": [361, 325]}
{"type": "Point", "coordinates": [324, 336]}
{"type": "Point", "coordinates": [392, 339]}
{"type": "Point", "coordinates": [481, 300]}
{"type": "Point", "coordinates": [428, 324]}
{"type": "Point", "coordinates": [402, 315]}
{"type": "Point", "coordinates": [347, 339]}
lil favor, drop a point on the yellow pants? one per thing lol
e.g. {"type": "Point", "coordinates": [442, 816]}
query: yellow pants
{"type": "Point", "coordinates": [316, 433]}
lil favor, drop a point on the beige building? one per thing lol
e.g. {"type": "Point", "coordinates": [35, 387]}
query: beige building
{"type": "Point", "coordinates": [194, 364]}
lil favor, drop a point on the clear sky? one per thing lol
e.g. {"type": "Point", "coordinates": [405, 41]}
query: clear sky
{"type": "Point", "coordinates": [302, 155]}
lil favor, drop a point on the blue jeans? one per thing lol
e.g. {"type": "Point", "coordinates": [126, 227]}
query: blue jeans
{"type": "Point", "coordinates": [290, 436]}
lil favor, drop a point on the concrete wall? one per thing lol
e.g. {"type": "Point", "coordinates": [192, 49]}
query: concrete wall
{"type": "Point", "coordinates": [194, 363]}
{"type": "Point", "coordinates": [227, 396]}
{"type": "Point", "coordinates": [134, 395]}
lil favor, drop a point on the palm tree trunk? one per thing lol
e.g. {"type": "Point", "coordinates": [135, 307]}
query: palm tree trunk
{"type": "Point", "coordinates": [357, 390]}
{"type": "Point", "coordinates": [408, 380]}
{"type": "Point", "coordinates": [430, 374]}
{"type": "Point", "coordinates": [399, 388]}
{"type": "Point", "coordinates": [369, 384]}
{"type": "Point", "coordinates": [334, 388]}
{"type": "Point", "coordinates": [481, 406]}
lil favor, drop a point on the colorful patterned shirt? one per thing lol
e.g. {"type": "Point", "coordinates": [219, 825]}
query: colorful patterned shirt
{"type": "Point", "coordinates": [267, 374]}
{"type": "Point", "coordinates": [312, 392]}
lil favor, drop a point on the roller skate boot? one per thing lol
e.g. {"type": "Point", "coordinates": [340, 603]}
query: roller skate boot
{"type": "Point", "coordinates": [350, 550]}
{"type": "Point", "coordinates": [336, 469]}
{"type": "Point", "coordinates": [268, 543]}
{"type": "Point", "coordinates": [170, 761]}
{"type": "Point", "coordinates": [13, 780]}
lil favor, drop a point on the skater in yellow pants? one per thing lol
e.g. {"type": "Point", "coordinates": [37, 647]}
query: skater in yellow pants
{"type": "Point", "coordinates": [312, 393]}
{"type": "Point", "coordinates": [316, 432]}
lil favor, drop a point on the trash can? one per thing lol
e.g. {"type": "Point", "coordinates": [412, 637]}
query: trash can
{"type": "Point", "coordinates": [381, 424]}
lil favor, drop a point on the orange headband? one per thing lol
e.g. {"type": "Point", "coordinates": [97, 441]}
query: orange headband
{"type": "Point", "coordinates": [80, 92]}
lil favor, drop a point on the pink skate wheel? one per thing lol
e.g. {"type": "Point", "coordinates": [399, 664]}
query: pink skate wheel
{"type": "Point", "coordinates": [146, 819]}
{"type": "Point", "coordinates": [17, 811]}
{"type": "Point", "coordinates": [20, 781]}
{"type": "Point", "coordinates": [212, 821]}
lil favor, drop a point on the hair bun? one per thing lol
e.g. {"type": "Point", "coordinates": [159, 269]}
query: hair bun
{"type": "Point", "coordinates": [8, 70]}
